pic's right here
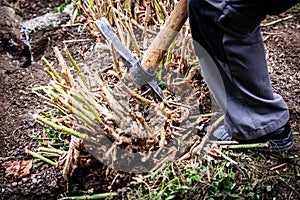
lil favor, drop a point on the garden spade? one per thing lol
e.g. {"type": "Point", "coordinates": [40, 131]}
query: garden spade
{"type": "Point", "coordinates": [142, 71]}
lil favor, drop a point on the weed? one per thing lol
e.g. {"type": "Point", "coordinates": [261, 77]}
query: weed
{"type": "Point", "coordinates": [15, 5]}
{"type": "Point", "coordinates": [257, 176]}
{"type": "Point", "coordinates": [62, 7]}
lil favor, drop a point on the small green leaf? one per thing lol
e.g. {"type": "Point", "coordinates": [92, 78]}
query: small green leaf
{"type": "Point", "coordinates": [56, 9]}
{"type": "Point", "coordinates": [196, 177]}
{"type": "Point", "coordinates": [163, 85]}
{"type": "Point", "coordinates": [62, 7]}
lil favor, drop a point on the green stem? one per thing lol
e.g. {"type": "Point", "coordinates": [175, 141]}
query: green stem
{"type": "Point", "coordinates": [49, 73]}
{"type": "Point", "coordinates": [170, 50]}
{"type": "Point", "coordinates": [278, 20]}
{"type": "Point", "coordinates": [288, 185]}
{"type": "Point", "coordinates": [76, 112]}
{"type": "Point", "coordinates": [46, 114]}
{"type": "Point", "coordinates": [168, 58]}
{"type": "Point", "coordinates": [50, 150]}
{"type": "Point", "coordinates": [58, 89]}
{"type": "Point", "coordinates": [73, 62]}
{"type": "Point", "coordinates": [92, 5]}
{"type": "Point", "coordinates": [52, 144]}
{"type": "Point", "coordinates": [107, 12]}
{"type": "Point", "coordinates": [159, 10]}
{"type": "Point", "coordinates": [52, 69]}
{"type": "Point", "coordinates": [89, 106]}
{"type": "Point", "coordinates": [76, 67]}
{"type": "Point", "coordinates": [85, 114]}
{"type": "Point", "coordinates": [94, 196]}
{"type": "Point", "coordinates": [245, 146]}
{"type": "Point", "coordinates": [43, 138]}
{"type": "Point", "coordinates": [60, 127]}
{"type": "Point", "coordinates": [38, 156]}
{"type": "Point", "coordinates": [189, 68]}
{"type": "Point", "coordinates": [71, 108]}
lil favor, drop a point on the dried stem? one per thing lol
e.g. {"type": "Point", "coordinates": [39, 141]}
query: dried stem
{"type": "Point", "coordinates": [132, 36]}
{"type": "Point", "coordinates": [225, 157]}
{"type": "Point", "coordinates": [116, 65]}
{"type": "Point", "coordinates": [144, 123]}
{"type": "Point", "coordinates": [198, 148]}
{"type": "Point", "coordinates": [136, 95]}
{"type": "Point", "coordinates": [132, 21]}
{"type": "Point", "coordinates": [147, 13]}
{"type": "Point", "coordinates": [65, 71]}
{"type": "Point", "coordinates": [120, 31]}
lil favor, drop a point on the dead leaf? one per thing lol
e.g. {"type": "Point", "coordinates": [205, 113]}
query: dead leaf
{"type": "Point", "coordinates": [69, 160]}
{"type": "Point", "coordinates": [17, 169]}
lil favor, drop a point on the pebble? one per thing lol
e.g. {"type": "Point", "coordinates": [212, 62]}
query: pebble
{"type": "Point", "coordinates": [40, 181]}
{"type": "Point", "coordinates": [24, 179]}
{"type": "Point", "coordinates": [14, 184]}
{"type": "Point", "coordinates": [34, 180]}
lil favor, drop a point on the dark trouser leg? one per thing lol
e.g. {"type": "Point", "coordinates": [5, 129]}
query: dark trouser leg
{"type": "Point", "coordinates": [236, 72]}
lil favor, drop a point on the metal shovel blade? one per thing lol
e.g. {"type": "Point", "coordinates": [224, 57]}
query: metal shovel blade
{"type": "Point", "coordinates": [110, 35]}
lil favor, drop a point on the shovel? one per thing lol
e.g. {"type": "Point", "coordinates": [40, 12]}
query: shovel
{"type": "Point", "coordinates": [142, 71]}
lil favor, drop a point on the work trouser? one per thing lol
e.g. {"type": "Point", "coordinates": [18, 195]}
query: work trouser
{"type": "Point", "coordinates": [233, 62]}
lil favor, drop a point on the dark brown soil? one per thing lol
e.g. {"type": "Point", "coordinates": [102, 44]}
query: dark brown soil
{"type": "Point", "coordinates": [18, 103]}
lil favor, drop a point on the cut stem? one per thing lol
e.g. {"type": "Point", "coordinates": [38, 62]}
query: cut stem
{"type": "Point", "coordinates": [278, 20]}
{"type": "Point", "coordinates": [38, 156]}
{"type": "Point", "coordinates": [60, 127]}
{"type": "Point", "coordinates": [200, 146]}
{"type": "Point", "coordinates": [50, 150]}
{"type": "Point", "coordinates": [89, 106]}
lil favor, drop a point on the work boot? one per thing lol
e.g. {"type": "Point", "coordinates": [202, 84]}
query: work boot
{"type": "Point", "coordinates": [279, 140]}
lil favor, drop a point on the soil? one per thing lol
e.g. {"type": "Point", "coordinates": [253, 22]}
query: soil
{"type": "Point", "coordinates": [18, 102]}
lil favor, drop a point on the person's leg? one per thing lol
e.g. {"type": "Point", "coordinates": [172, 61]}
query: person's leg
{"type": "Point", "coordinates": [251, 108]}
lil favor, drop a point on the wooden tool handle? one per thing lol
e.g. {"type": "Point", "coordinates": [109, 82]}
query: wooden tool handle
{"type": "Point", "coordinates": [166, 35]}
